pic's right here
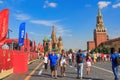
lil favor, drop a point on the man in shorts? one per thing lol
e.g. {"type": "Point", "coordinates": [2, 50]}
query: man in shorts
{"type": "Point", "coordinates": [53, 64]}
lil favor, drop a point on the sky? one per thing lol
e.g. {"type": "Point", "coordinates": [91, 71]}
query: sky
{"type": "Point", "coordinates": [74, 20]}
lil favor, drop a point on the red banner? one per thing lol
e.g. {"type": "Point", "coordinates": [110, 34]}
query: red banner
{"type": "Point", "coordinates": [3, 25]}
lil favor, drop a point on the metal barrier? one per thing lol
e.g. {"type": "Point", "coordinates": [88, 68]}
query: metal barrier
{"type": "Point", "coordinates": [33, 56]}
{"type": "Point", "coordinates": [7, 58]}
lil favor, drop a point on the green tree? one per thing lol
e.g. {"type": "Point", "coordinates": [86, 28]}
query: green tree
{"type": "Point", "coordinates": [101, 49]}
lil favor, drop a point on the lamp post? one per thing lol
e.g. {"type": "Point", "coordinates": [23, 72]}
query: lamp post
{"type": "Point", "coordinates": [9, 30]}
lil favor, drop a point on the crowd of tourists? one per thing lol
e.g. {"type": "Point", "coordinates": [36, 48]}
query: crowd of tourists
{"type": "Point", "coordinates": [78, 59]}
{"type": "Point", "coordinates": [98, 57]}
{"type": "Point", "coordinates": [55, 59]}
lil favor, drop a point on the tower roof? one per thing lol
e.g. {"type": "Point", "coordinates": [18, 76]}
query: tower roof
{"type": "Point", "coordinates": [60, 38]}
{"type": "Point", "coordinates": [53, 35]}
{"type": "Point", "coordinates": [100, 24]}
{"type": "Point", "coordinates": [45, 39]}
{"type": "Point", "coordinates": [53, 28]}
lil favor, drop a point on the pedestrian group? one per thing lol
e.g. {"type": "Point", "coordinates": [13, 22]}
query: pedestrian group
{"type": "Point", "coordinates": [78, 60]}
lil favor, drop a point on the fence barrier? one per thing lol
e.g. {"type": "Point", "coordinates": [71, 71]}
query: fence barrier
{"type": "Point", "coordinates": [10, 58]}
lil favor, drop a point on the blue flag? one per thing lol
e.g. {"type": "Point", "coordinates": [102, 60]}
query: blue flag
{"type": "Point", "coordinates": [21, 34]}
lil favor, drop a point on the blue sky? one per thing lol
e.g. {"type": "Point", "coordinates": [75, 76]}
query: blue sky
{"type": "Point", "coordinates": [74, 20]}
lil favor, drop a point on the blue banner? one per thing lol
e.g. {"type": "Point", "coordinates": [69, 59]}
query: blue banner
{"type": "Point", "coordinates": [21, 34]}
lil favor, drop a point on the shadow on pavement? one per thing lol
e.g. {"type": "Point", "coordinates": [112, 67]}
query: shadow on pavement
{"type": "Point", "coordinates": [70, 72]}
{"type": "Point", "coordinates": [43, 75]}
{"type": "Point", "coordinates": [73, 78]}
{"type": "Point", "coordinates": [89, 78]}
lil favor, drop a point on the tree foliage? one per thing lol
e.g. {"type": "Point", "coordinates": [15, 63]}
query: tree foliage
{"type": "Point", "coordinates": [101, 49]}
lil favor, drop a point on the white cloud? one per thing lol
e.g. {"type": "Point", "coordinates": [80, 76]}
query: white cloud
{"type": "Point", "coordinates": [61, 31]}
{"type": "Point", "coordinates": [1, 2]}
{"type": "Point", "coordinates": [52, 4]}
{"type": "Point", "coordinates": [116, 5]}
{"type": "Point", "coordinates": [22, 17]}
{"type": "Point", "coordinates": [34, 34]}
{"type": "Point", "coordinates": [103, 4]}
{"type": "Point", "coordinates": [49, 4]}
{"type": "Point", "coordinates": [45, 22]}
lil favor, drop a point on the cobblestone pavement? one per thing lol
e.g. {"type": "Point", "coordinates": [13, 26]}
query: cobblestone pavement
{"type": "Point", "coordinates": [99, 71]}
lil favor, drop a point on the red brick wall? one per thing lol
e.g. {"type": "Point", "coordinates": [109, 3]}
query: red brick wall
{"type": "Point", "coordinates": [90, 45]}
{"type": "Point", "coordinates": [112, 43]}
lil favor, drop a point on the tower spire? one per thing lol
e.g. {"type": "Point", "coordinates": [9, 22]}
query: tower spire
{"type": "Point", "coordinates": [99, 12]}
{"type": "Point", "coordinates": [53, 35]}
{"type": "Point", "coordinates": [100, 24]}
{"type": "Point", "coordinates": [53, 28]}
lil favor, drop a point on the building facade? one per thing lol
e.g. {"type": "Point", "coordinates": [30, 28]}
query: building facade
{"type": "Point", "coordinates": [53, 42]}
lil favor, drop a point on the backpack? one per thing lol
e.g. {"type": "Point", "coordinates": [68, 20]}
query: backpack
{"type": "Point", "coordinates": [117, 60]}
{"type": "Point", "coordinates": [79, 58]}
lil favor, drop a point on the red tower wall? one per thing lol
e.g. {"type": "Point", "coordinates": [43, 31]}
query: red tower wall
{"type": "Point", "coordinates": [100, 37]}
{"type": "Point", "coordinates": [90, 45]}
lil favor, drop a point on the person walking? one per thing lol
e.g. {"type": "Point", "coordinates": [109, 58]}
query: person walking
{"type": "Point", "coordinates": [102, 55]}
{"type": "Point", "coordinates": [53, 61]}
{"type": "Point", "coordinates": [115, 58]}
{"type": "Point", "coordinates": [70, 58]}
{"type": "Point", "coordinates": [88, 63]}
{"type": "Point", "coordinates": [58, 54]}
{"type": "Point", "coordinates": [95, 57]}
{"type": "Point", "coordinates": [119, 61]}
{"type": "Point", "coordinates": [73, 58]}
{"type": "Point", "coordinates": [79, 62]}
{"type": "Point", "coordinates": [63, 62]}
{"type": "Point", "coordinates": [46, 61]}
